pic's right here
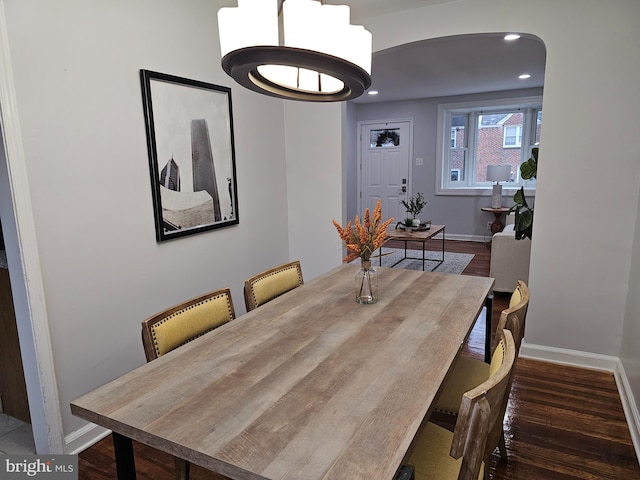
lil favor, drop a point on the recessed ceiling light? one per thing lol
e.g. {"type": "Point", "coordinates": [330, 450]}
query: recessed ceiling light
{"type": "Point", "coordinates": [511, 36]}
{"type": "Point", "coordinates": [524, 76]}
{"type": "Point", "coordinates": [372, 92]}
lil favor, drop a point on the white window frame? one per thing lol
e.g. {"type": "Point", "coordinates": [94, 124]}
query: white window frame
{"type": "Point", "coordinates": [444, 185]}
{"type": "Point", "coordinates": [518, 136]}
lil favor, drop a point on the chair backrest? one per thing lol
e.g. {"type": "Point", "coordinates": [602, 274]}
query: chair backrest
{"type": "Point", "coordinates": [513, 318]}
{"type": "Point", "coordinates": [182, 323]}
{"type": "Point", "coordinates": [267, 285]}
{"type": "Point", "coordinates": [479, 425]}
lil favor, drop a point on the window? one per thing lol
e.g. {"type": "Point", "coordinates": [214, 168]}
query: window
{"type": "Point", "coordinates": [457, 149]}
{"type": "Point", "coordinates": [389, 137]}
{"type": "Point", "coordinates": [512, 136]}
{"type": "Point", "coordinates": [486, 133]}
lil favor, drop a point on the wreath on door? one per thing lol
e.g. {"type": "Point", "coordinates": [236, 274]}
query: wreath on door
{"type": "Point", "coordinates": [388, 137]}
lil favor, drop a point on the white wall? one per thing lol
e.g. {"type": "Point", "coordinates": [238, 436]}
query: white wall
{"type": "Point", "coordinates": [314, 183]}
{"type": "Point", "coordinates": [579, 271]}
{"type": "Point", "coordinates": [630, 354]}
{"type": "Point", "coordinates": [76, 71]}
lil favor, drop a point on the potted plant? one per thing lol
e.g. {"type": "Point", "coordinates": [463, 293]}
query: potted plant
{"type": "Point", "coordinates": [524, 213]}
{"type": "Point", "coordinates": [413, 207]}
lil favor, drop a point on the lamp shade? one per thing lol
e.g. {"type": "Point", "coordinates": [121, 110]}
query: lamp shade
{"type": "Point", "coordinates": [323, 57]}
{"type": "Point", "coordinates": [499, 173]}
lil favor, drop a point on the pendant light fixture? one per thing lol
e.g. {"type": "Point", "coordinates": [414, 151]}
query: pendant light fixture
{"type": "Point", "coordinates": [321, 58]}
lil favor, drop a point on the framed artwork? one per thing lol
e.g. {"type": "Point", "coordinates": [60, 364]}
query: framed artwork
{"type": "Point", "coordinates": [191, 154]}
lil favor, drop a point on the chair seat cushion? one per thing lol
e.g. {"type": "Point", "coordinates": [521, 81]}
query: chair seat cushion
{"type": "Point", "coordinates": [431, 458]}
{"type": "Point", "coordinates": [467, 373]}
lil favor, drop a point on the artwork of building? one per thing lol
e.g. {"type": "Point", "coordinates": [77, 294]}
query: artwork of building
{"type": "Point", "coordinates": [170, 176]}
{"type": "Point", "coordinates": [204, 173]}
{"type": "Point", "coordinates": [201, 206]}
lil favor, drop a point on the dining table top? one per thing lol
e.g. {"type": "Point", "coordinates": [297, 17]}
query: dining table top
{"type": "Point", "coordinates": [309, 386]}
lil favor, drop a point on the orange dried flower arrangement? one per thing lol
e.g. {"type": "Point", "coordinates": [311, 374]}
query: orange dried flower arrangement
{"type": "Point", "coordinates": [362, 239]}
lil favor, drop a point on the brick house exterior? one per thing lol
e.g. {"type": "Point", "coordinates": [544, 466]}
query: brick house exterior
{"type": "Point", "coordinates": [491, 149]}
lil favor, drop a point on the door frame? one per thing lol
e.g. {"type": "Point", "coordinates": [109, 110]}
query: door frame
{"type": "Point", "coordinates": [361, 124]}
{"type": "Point", "coordinates": [25, 269]}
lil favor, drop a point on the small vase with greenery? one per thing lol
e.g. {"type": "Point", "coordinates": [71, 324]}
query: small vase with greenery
{"type": "Point", "coordinates": [524, 213]}
{"type": "Point", "coordinates": [413, 207]}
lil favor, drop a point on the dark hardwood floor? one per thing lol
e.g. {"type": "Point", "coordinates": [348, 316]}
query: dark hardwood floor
{"type": "Point", "coordinates": [563, 423]}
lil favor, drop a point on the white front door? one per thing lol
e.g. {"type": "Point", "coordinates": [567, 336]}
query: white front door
{"type": "Point", "coordinates": [385, 152]}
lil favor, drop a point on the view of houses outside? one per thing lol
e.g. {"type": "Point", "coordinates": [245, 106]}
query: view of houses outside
{"type": "Point", "coordinates": [498, 142]}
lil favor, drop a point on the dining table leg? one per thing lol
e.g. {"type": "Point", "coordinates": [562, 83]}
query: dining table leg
{"type": "Point", "coordinates": [406, 472]}
{"type": "Point", "coordinates": [488, 318]}
{"type": "Point", "coordinates": [125, 463]}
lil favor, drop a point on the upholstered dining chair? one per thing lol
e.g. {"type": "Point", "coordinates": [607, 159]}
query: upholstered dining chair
{"type": "Point", "coordinates": [518, 305]}
{"type": "Point", "coordinates": [468, 372]}
{"type": "Point", "coordinates": [465, 453]}
{"type": "Point", "coordinates": [266, 286]}
{"type": "Point", "coordinates": [182, 323]}
{"type": "Point", "coordinates": [178, 325]}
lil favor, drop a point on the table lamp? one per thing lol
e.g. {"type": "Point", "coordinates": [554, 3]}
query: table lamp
{"type": "Point", "coordinates": [498, 173]}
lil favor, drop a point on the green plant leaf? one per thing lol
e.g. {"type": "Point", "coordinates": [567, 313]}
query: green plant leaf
{"type": "Point", "coordinates": [524, 223]}
{"type": "Point", "coordinates": [519, 198]}
{"type": "Point", "coordinates": [524, 219]}
{"type": "Point", "coordinates": [524, 214]}
{"type": "Point", "coordinates": [529, 169]}
{"type": "Point", "coordinates": [415, 204]}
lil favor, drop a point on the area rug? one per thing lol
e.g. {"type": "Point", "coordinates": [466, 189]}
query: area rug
{"type": "Point", "coordinates": [453, 262]}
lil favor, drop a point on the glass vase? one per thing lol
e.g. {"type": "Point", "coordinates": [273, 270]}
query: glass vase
{"type": "Point", "coordinates": [366, 283]}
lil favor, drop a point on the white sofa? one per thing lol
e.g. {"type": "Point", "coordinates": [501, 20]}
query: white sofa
{"type": "Point", "coordinates": [509, 258]}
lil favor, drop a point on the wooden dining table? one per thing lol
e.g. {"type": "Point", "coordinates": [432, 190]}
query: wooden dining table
{"type": "Point", "coordinates": [309, 386]}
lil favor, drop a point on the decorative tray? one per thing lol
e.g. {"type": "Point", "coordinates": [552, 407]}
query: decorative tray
{"type": "Point", "coordinates": [423, 226]}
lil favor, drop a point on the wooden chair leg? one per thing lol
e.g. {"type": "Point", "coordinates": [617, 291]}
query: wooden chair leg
{"type": "Point", "coordinates": [182, 469]}
{"type": "Point", "coordinates": [487, 467]}
{"type": "Point", "coordinates": [502, 446]}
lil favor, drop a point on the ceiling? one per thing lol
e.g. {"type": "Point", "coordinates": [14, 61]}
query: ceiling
{"type": "Point", "coordinates": [447, 66]}
{"type": "Point", "coordinates": [456, 65]}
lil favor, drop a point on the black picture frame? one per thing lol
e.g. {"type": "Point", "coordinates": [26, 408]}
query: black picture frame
{"type": "Point", "coordinates": [189, 127]}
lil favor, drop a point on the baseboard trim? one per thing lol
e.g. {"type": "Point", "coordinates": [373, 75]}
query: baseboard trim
{"type": "Point", "coordinates": [597, 362]}
{"type": "Point", "coordinates": [465, 238]}
{"type": "Point", "coordinates": [569, 357]}
{"type": "Point", "coordinates": [629, 405]}
{"type": "Point", "coordinates": [83, 438]}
